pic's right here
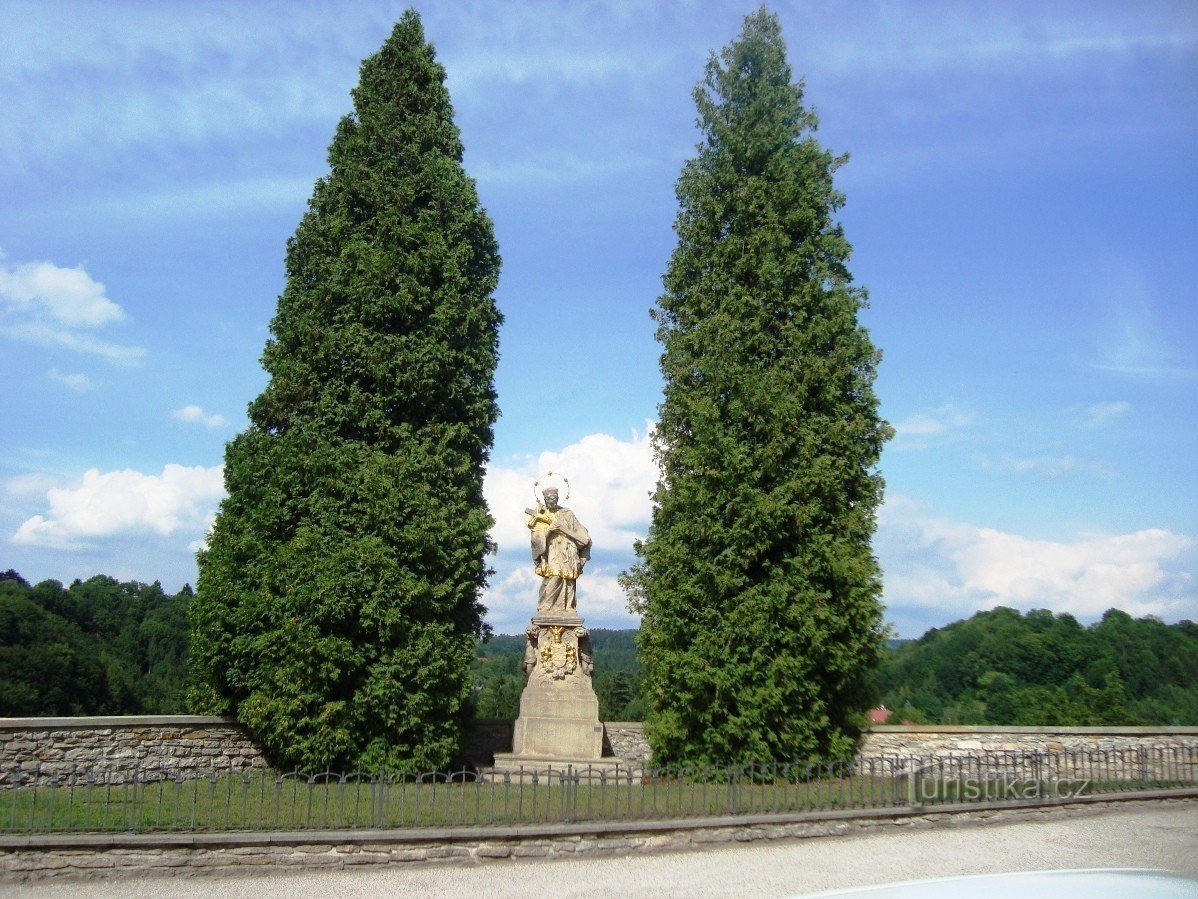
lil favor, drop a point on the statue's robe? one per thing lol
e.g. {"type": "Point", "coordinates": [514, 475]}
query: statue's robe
{"type": "Point", "coordinates": [559, 557]}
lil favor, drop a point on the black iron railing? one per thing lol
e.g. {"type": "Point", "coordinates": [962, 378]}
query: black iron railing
{"type": "Point", "coordinates": [58, 797]}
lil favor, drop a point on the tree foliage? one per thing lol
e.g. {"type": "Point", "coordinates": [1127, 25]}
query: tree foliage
{"type": "Point", "coordinates": [99, 647]}
{"type": "Point", "coordinates": [1001, 667]}
{"type": "Point", "coordinates": [757, 584]}
{"type": "Point", "coordinates": [337, 604]}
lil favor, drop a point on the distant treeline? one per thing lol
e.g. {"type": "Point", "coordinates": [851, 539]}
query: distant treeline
{"type": "Point", "coordinates": [101, 647]}
{"type": "Point", "coordinates": [98, 647]}
{"type": "Point", "coordinates": [1001, 667]}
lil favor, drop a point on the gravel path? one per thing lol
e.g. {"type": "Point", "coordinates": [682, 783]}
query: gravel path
{"type": "Point", "coordinates": [1162, 836]}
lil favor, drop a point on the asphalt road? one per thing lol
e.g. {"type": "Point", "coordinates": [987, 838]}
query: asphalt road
{"type": "Point", "coordinates": [1159, 836]}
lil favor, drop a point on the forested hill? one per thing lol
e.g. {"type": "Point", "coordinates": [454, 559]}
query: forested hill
{"type": "Point", "coordinates": [98, 647]}
{"type": "Point", "coordinates": [101, 647]}
{"type": "Point", "coordinates": [1001, 667]}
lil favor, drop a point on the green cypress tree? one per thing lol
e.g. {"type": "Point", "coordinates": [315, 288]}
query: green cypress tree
{"type": "Point", "coordinates": [759, 592]}
{"type": "Point", "coordinates": [337, 604]}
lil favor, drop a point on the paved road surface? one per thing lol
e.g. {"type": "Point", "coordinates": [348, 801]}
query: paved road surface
{"type": "Point", "coordinates": [1147, 837]}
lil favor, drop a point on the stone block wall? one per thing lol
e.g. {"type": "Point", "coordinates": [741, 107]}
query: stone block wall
{"type": "Point", "coordinates": [948, 739]}
{"type": "Point", "coordinates": [1077, 754]}
{"type": "Point", "coordinates": [44, 748]}
{"type": "Point", "coordinates": [121, 745]}
{"type": "Point", "coordinates": [626, 740]}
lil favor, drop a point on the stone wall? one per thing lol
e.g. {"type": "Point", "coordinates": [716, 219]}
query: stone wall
{"type": "Point", "coordinates": [627, 740]}
{"type": "Point", "coordinates": [121, 745]}
{"type": "Point", "coordinates": [946, 739]}
{"type": "Point", "coordinates": [42, 748]}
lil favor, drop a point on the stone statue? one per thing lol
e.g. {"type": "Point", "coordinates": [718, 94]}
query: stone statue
{"type": "Point", "coordinates": [559, 712]}
{"type": "Point", "coordinates": [561, 548]}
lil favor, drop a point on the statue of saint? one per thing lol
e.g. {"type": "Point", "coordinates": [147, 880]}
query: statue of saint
{"type": "Point", "coordinates": [561, 547]}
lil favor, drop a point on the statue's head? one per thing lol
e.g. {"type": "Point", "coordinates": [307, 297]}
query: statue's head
{"type": "Point", "coordinates": [550, 496]}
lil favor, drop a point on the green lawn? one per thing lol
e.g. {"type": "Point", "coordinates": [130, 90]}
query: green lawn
{"type": "Point", "coordinates": [266, 802]}
{"type": "Point", "coordinates": [262, 800]}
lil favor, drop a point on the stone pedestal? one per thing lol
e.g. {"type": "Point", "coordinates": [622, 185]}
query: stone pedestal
{"type": "Point", "coordinates": [558, 731]}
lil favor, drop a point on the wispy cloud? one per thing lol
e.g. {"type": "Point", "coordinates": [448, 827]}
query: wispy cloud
{"type": "Point", "coordinates": [47, 335]}
{"type": "Point", "coordinates": [55, 306]}
{"type": "Point", "coordinates": [920, 429]}
{"type": "Point", "coordinates": [972, 39]}
{"type": "Point", "coordinates": [171, 74]}
{"type": "Point", "coordinates": [79, 382]}
{"type": "Point", "coordinates": [197, 415]}
{"type": "Point", "coordinates": [1099, 415]}
{"type": "Point", "coordinates": [218, 198]}
{"type": "Point", "coordinates": [1171, 372]}
{"type": "Point", "coordinates": [543, 169]}
{"type": "Point", "coordinates": [1048, 466]}
{"type": "Point", "coordinates": [30, 484]}
{"type": "Point", "coordinates": [1132, 338]}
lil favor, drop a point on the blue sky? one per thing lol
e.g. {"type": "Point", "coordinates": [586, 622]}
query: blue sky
{"type": "Point", "coordinates": [1022, 198]}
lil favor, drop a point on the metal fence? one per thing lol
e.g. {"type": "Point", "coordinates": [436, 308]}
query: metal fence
{"type": "Point", "coordinates": [47, 798]}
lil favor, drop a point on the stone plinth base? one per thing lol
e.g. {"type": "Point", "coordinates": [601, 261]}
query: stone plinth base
{"type": "Point", "coordinates": [512, 768]}
{"type": "Point", "coordinates": [565, 728]}
{"type": "Point", "coordinates": [559, 711]}
{"type": "Point", "coordinates": [558, 732]}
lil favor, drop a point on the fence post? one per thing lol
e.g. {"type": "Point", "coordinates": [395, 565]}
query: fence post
{"type": "Point", "coordinates": [572, 796]}
{"type": "Point", "coordinates": [133, 778]}
{"type": "Point", "coordinates": [915, 784]}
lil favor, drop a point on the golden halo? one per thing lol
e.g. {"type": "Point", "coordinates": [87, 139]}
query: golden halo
{"type": "Point", "coordinates": [538, 492]}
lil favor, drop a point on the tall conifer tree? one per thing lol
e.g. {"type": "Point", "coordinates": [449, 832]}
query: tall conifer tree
{"type": "Point", "coordinates": [337, 605]}
{"type": "Point", "coordinates": [757, 584]}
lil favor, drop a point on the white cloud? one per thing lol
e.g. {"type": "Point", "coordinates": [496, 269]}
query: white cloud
{"type": "Point", "coordinates": [78, 382]}
{"type": "Point", "coordinates": [196, 415]}
{"type": "Point", "coordinates": [1049, 466]}
{"type": "Point", "coordinates": [917, 430]}
{"type": "Point", "coordinates": [610, 483]}
{"type": "Point", "coordinates": [929, 562]}
{"type": "Point", "coordinates": [54, 306]}
{"type": "Point", "coordinates": [103, 505]}
{"type": "Point", "coordinates": [961, 568]}
{"type": "Point", "coordinates": [67, 296]}
{"type": "Point", "coordinates": [1098, 415]}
